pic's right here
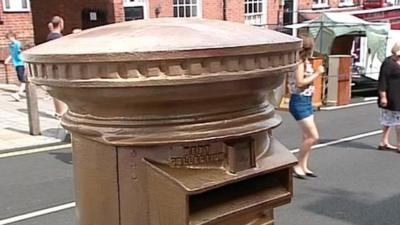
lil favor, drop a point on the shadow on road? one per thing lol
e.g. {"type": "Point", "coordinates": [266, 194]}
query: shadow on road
{"type": "Point", "coordinates": [17, 130]}
{"type": "Point", "coordinates": [59, 133]}
{"type": "Point", "coordinates": [65, 157]}
{"type": "Point", "coordinates": [357, 208]}
{"type": "Point", "coordinates": [41, 114]}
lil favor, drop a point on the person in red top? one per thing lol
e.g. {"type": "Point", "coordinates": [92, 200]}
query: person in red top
{"type": "Point", "coordinates": [389, 98]}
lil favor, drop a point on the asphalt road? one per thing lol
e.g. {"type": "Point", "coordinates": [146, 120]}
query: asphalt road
{"type": "Point", "coordinates": [357, 184]}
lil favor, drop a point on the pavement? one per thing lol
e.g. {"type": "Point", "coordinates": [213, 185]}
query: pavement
{"type": "Point", "coordinates": [14, 125]}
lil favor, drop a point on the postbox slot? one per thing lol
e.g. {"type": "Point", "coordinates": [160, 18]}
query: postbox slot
{"type": "Point", "coordinates": [240, 155]}
{"type": "Point", "coordinates": [247, 196]}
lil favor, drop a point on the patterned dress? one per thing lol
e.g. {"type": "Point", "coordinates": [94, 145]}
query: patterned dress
{"type": "Point", "coordinates": [389, 118]}
{"type": "Point", "coordinates": [305, 91]}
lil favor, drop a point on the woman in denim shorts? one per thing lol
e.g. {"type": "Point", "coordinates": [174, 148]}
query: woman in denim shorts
{"type": "Point", "coordinates": [300, 106]}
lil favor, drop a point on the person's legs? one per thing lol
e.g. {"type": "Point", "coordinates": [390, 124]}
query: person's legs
{"type": "Point", "coordinates": [16, 96]}
{"type": "Point", "coordinates": [21, 89]}
{"type": "Point", "coordinates": [59, 107]}
{"type": "Point", "coordinates": [385, 137]}
{"type": "Point", "coordinates": [21, 78]}
{"type": "Point", "coordinates": [310, 137]}
{"type": "Point", "coordinates": [398, 137]}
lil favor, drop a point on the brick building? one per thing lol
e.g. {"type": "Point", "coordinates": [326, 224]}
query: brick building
{"type": "Point", "coordinates": [15, 15]}
{"type": "Point", "coordinates": [310, 9]}
{"type": "Point", "coordinates": [89, 13]}
{"type": "Point", "coordinates": [296, 11]}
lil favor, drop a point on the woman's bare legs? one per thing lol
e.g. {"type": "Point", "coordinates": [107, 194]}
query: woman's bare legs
{"type": "Point", "coordinates": [385, 137]}
{"type": "Point", "coordinates": [398, 137]}
{"type": "Point", "coordinates": [310, 137]}
{"type": "Point", "coordinates": [59, 106]}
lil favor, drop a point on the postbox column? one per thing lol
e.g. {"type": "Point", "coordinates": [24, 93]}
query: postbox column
{"type": "Point", "coordinates": [96, 182]}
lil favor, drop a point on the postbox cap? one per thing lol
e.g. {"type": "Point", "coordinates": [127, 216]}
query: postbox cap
{"type": "Point", "coordinates": [160, 39]}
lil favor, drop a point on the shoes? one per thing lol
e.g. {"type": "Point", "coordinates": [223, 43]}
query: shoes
{"type": "Point", "coordinates": [67, 138]}
{"type": "Point", "coordinates": [386, 148]}
{"type": "Point", "coordinates": [311, 175]}
{"type": "Point", "coordinates": [299, 176]}
{"type": "Point", "coordinates": [16, 97]}
{"type": "Point", "coordinates": [57, 116]}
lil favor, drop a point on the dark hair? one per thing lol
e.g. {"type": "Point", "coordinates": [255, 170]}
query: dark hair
{"type": "Point", "coordinates": [308, 46]}
{"type": "Point", "coordinates": [56, 21]}
{"type": "Point", "coordinates": [11, 34]}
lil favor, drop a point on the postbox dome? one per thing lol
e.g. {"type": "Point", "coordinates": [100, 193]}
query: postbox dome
{"type": "Point", "coordinates": [158, 39]}
{"type": "Point", "coordinates": [161, 52]}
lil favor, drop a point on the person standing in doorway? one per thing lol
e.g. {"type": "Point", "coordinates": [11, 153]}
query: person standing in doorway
{"type": "Point", "coordinates": [389, 98]}
{"type": "Point", "coordinates": [300, 106]}
{"type": "Point", "coordinates": [18, 62]}
{"type": "Point", "coordinates": [56, 27]}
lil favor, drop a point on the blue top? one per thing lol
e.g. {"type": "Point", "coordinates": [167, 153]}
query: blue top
{"type": "Point", "coordinates": [15, 52]}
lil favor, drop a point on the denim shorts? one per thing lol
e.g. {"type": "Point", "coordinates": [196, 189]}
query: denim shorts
{"type": "Point", "coordinates": [300, 106]}
{"type": "Point", "coordinates": [21, 73]}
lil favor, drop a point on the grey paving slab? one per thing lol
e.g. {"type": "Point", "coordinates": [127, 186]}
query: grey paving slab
{"type": "Point", "coordinates": [14, 124]}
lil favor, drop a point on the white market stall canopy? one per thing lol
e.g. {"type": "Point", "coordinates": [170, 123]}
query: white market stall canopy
{"type": "Point", "coordinates": [328, 26]}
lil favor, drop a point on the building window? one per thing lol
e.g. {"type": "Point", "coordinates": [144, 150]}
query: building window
{"type": "Point", "coordinates": [255, 12]}
{"type": "Point", "coordinates": [344, 3]}
{"type": "Point", "coordinates": [16, 5]}
{"type": "Point", "coordinates": [393, 2]}
{"type": "Point", "coordinates": [135, 9]}
{"type": "Point", "coordinates": [186, 8]}
{"type": "Point", "coordinates": [320, 4]}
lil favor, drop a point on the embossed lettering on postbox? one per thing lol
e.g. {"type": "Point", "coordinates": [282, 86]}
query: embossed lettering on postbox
{"type": "Point", "coordinates": [195, 155]}
{"type": "Point", "coordinates": [198, 155]}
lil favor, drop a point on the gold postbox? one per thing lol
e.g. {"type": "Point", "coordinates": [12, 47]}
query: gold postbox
{"type": "Point", "coordinates": [170, 120]}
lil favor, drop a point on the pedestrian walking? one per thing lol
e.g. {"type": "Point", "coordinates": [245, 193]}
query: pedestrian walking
{"type": "Point", "coordinates": [300, 105]}
{"type": "Point", "coordinates": [15, 56]}
{"type": "Point", "coordinates": [56, 27]}
{"type": "Point", "coordinates": [389, 98]}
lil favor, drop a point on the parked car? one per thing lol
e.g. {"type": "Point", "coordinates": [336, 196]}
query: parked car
{"type": "Point", "coordinates": [360, 83]}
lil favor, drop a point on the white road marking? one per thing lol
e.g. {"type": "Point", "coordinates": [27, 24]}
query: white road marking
{"type": "Point", "coordinates": [338, 141]}
{"type": "Point", "coordinates": [371, 98]}
{"type": "Point", "coordinates": [72, 204]}
{"type": "Point", "coordinates": [37, 213]}
{"type": "Point", "coordinates": [36, 150]}
{"type": "Point", "coordinates": [329, 108]}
